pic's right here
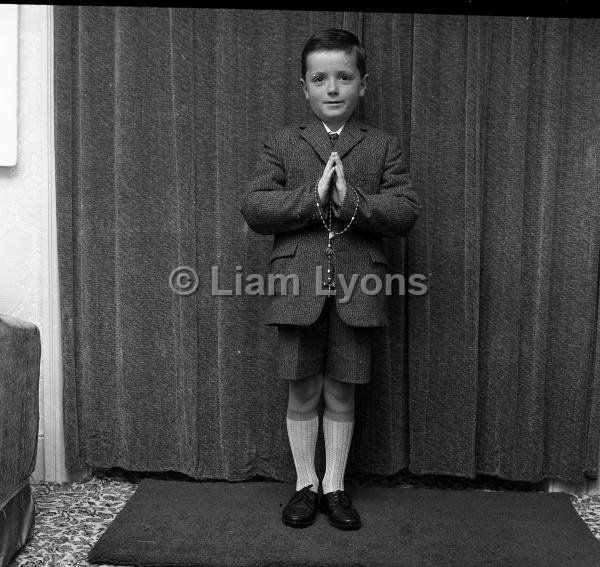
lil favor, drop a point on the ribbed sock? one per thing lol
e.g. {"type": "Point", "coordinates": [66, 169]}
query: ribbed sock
{"type": "Point", "coordinates": [302, 431]}
{"type": "Point", "coordinates": [337, 430]}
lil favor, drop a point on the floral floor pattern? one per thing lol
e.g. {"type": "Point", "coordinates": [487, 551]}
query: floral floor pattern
{"type": "Point", "coordinates": [70, 517]}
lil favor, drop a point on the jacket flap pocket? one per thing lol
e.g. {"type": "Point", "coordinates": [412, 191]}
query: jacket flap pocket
{"type": "Point", "coordinates": [285, 249]}
{"type": "Point", "coordinates": [378, 256]}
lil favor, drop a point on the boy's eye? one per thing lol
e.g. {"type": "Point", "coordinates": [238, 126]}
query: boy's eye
{"type": "Point", "coordinates": [319, 79]}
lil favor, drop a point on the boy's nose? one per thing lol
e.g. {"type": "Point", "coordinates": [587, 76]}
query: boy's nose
{"type": "Point", "coordinates": [332, 87]}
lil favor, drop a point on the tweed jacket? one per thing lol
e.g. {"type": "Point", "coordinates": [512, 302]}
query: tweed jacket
{"type": "Point", "coordinates": [281, 200]}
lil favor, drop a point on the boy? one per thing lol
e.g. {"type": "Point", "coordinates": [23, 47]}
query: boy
{"type": "Point", "coordinates": [328, 189]}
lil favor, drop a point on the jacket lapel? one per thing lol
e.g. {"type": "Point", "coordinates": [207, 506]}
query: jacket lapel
{"type": "Point", "coordinates": [315, 134]}
{"type": "Point", "coordinates": [352, 134]}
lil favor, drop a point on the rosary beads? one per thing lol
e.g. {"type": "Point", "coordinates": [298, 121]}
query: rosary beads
{"type": "Point", "coordinates": [329, 280]}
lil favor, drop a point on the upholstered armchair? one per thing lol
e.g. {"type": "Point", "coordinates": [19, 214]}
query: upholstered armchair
{"type": "Point", "coordinates": [19, 416]}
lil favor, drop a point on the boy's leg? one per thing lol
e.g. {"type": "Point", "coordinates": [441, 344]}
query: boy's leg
{"type": "Point", "coordinates": [348, 364]}
{"type": "Point", "coordinates": [338, 425]}
{"type": "Point", "coordinates": [303, 426]}
{"type": "Point", "coordinates": [301, 358]}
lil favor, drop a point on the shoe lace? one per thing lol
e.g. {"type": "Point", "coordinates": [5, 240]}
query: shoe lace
{"type": "Point", "coordinates": [342, 499]}
{"type": "Point", "coordinates": [302, 495]}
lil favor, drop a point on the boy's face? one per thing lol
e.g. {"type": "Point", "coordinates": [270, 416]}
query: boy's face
{"type": "Point", "coordinates": [333, 85]}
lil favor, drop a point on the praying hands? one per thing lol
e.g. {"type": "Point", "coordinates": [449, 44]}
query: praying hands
{"type": "Point", "coordinates": [332, 185]}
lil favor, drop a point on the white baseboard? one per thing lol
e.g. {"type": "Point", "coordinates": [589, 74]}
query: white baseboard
{"type": "Point", "coordinates": [38, 473]}
{"type": "Point", "coordinates": [584, 488]}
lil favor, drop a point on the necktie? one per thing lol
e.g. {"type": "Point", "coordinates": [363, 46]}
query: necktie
{"type": "Point", "coordinates": [333, 137]}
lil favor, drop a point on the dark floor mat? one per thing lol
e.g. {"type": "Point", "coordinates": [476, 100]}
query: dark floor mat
{"type": "Point", "coordinates": [186, 523]}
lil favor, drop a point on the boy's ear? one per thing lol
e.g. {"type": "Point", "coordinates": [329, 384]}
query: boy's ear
{"type": "Point", "coordinates": [363, 85]}
{"type": "Point", "coordinates": [303, 83]}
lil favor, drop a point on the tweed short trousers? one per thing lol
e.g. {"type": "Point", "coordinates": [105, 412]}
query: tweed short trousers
{"type": "Point", "coordinates": [328, 346]}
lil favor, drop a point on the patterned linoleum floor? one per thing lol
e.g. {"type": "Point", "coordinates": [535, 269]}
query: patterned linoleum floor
{"type": "Point", "coordinates": [71, 517]}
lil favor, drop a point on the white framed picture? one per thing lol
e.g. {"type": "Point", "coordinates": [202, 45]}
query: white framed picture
{"type": "Point", "coordinates": [9, 22]}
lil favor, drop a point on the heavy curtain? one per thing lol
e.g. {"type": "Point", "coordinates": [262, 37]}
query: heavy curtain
{"type": "Point", "coordinates": [160, 116]}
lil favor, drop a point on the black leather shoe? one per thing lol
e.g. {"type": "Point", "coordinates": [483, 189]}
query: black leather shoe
{"type": "Point", "coordinates": [342, 514]}
{"type": "Point", "coordinates": [301, 510]}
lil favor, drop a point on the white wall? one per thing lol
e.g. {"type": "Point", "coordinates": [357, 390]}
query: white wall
{"type": "Point", "coordinates": [28, 259]}
{"type": "Point", "coordinates": [9, 14]}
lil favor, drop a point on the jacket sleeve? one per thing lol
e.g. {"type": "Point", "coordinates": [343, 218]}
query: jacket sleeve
{"type": "Point", "coordinates": [391, 212]}
{"type": "Point", "coordinates": [270, 206]}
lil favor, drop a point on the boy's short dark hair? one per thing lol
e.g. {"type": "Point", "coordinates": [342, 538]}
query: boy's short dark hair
{"type": "Point", "coordinates": [339, 40]}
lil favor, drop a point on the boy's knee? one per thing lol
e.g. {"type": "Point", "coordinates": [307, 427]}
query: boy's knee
{"type": "Point", "coordinates": [338, 396]}
{"type": "Point", "coordinates": [304, 394]}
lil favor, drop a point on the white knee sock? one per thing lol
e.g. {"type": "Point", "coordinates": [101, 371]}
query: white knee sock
{"type": "Point", "coordinates": [337, 430]}
{"type": "Point", "coordinates": [302, 432]}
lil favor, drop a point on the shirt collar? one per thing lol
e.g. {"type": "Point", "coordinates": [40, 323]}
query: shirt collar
{"type": "Point", "coordinates": [329, 131]}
